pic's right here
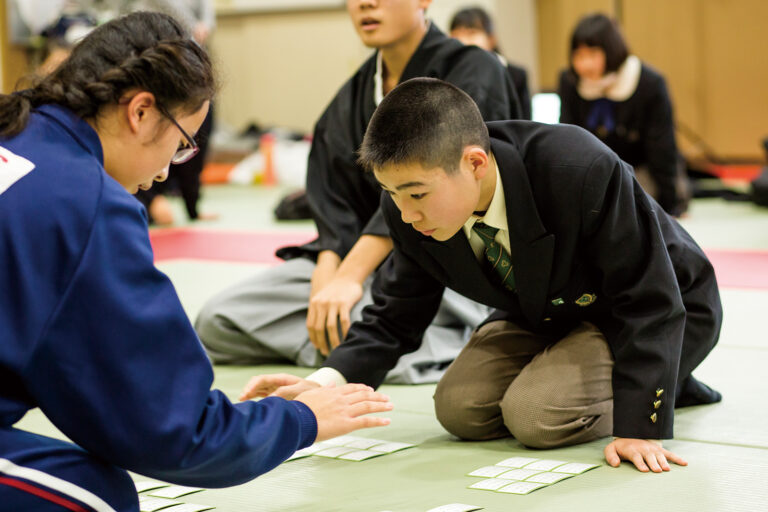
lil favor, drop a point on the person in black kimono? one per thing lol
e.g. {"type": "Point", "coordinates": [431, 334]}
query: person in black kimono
{"type": "Point", "coordinates": [473, 26]}
{"type": "Point", "coordinates": [625, 103]}
{"type": "Point", "coordinates": [299, 311]}
{"type": "Point", "coordinates": [604, 303]}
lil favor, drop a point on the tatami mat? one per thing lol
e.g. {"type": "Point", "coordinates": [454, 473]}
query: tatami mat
{"type": "Point", "coordinates": [726, 444]}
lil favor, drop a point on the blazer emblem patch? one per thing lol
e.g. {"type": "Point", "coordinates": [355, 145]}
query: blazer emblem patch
{"type": "Point", "coordinates": [586, 299]}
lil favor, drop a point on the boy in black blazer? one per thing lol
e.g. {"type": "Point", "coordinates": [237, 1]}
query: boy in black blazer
{"type": "Point", "coordinates": [604, 303]}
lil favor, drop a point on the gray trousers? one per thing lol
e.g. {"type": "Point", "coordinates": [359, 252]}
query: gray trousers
{"type": "Point", "coordinates": [262, 320]}
{"type": "Point", "coordinates": [544, 392]}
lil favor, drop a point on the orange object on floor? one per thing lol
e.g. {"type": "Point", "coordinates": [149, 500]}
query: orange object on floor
{"type": "Point", "coordinates": [736, 172]}
{"type": "Point", "coordinates": [216, 173]}
{"type": "Point", "coordinates": [267, 146]}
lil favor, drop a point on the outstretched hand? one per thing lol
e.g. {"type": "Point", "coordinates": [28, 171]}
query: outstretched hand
{"type": "Point", "coordinates": [644, 454]}
{"type": "Point", "coordinates": [283, 385]}
{"type": "Point", "coordinates": [341, 410]}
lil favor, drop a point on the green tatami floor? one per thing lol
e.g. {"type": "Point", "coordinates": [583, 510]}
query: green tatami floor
{"type": "Point", "coordinates": [726, 444]}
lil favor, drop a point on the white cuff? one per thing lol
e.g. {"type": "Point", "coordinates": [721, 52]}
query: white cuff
{"type": "Point", "coordinates": [326, 375]}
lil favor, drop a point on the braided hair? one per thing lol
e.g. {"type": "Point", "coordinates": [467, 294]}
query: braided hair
{"type": "Point", "coordinates": [144, 50]}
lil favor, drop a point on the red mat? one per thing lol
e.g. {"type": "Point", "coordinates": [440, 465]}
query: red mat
{"type": "Point", "coordinates": [740, 269]}
{"type": "Point", "coordinates": [245, 246]}
{"type": "Point", "coordinates": [734, 269]}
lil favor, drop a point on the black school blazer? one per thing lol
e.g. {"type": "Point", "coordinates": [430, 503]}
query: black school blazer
{"type": "Point", "coordinates": [587, 244]}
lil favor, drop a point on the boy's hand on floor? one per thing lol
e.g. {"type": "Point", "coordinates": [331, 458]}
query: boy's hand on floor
{"type": "Point", "coordinates": [283, 385]}
{"type": "Point", "coordinates": [329, 307]}
{"type": "Point", "coordinates": [343, 409]}
{"type": "Point", "coordinates": [643, 453]}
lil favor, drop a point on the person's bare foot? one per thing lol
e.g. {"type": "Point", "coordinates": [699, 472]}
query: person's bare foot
{"type": "Point", "coordinates": [207, 216]}
{"type": "Point", "coordinates": [161, 212]}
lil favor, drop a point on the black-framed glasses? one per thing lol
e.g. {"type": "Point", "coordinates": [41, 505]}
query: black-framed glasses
{"type": "Point", "coordinates": [185, 151]}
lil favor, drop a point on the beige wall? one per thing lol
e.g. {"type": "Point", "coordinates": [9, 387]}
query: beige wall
{"type": "Point", "coordinates": [283, 68]}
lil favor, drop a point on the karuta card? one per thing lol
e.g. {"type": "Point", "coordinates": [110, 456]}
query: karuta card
{"type": "Point", "coordinates": [391, 447]}
{"type": "Point", "coordinates": [146, 485]}
{"type": "Point", "coordinates": [489, 471]}
{"type": "Point", "coordinates": [516, 462]}
{"type": "Point", "coordinates": [548, 478]}
{"type": "Point", "coordinates": [518, 474]}
{"type": "Point", "coordinates": [341, 440]}
{"type": "Point", "coordinates": [188, 507]}
{"type": "Point", "coordinates": [334, 452]}
{"type": "Point", "coordinates": [575, 468]}
{"type": "Point", "coordinates": [147, 504]}
{"type": "Point", "coordinates": [520, 487]}
{"type": "Point", "coordinates": [174, 491]}
{"type": "Point", "coordinates": [491, 484]}
{"type": "Point", "coordinates": [545, 465]}
{"type": "Point", "coordinates": [311, 450]}
{"type": "Point", "coordinates": [358, 455]}
{"type": "Point", "coordinates": [364, 444]}
{"type": "Point", "coordinates": [455, 507]}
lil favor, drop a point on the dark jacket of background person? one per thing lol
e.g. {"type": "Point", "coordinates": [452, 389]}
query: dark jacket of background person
{"type": "Point", "coordinates": [643, 134]}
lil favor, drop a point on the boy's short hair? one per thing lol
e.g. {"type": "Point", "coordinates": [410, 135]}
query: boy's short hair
{"type": "Point", "coordinates": [423, 121]}
{"type": "Point", "coordinates": [601, 31]}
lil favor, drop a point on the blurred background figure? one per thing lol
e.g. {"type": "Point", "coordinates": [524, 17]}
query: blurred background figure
{"type": "Point", "coordinates": [625, 103]}
{"type": "Point", "coordinates": [474, 26]}
{"type": "Point", "coordinates": [198, 17]}
{"type": "Point", "coordinates": [52, 27]}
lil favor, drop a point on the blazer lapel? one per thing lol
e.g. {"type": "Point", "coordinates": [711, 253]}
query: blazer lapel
{"type": "Point", "coordinates": [532, 248]}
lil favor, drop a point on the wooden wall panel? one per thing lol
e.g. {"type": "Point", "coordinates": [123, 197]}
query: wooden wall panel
{"type": "Point", "coordinates": [735, 50]}
{"type": "Point", "coordinates": [556, 20]}
{"type": "Point", "coordinates": [13, 60]}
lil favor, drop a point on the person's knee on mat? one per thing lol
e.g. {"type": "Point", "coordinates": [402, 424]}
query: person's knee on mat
{"type": "Point", "coordinates": [539, 424]}
{"type": "Point", "coordinates": [459, 412]}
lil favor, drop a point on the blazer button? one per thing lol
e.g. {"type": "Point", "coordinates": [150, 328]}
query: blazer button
{"type": "Point", "coordinates": [656, 404]}
{"type": "Point", "coordinates": [548, 319]}
{"type": "Point", "coordinates": [659, 392]}
{"type": "Point", "coordinates": [653, 418]}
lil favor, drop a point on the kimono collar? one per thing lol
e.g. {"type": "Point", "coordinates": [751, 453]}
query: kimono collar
{"type": "Point", "coordinates": [433, 34]}
{"type": "Point", "coordinates": [80, 130]}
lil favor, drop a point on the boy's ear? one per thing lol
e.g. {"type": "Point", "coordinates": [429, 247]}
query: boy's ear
{"type": "Point", "coordinates": [477, 161]}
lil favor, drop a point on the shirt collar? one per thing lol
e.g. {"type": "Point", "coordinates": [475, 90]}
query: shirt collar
{"type": "Point", "coordinates": [496, 215]}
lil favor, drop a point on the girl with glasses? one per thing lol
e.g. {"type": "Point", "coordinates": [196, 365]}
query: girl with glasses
{"type": "Point", "coordinates": [92, 333]}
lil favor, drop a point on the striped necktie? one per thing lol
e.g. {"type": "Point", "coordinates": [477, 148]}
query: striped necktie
{"type": "Point", "coordinates": [497, 256]}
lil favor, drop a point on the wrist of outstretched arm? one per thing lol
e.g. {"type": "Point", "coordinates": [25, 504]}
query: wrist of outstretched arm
{"type": "Point", "coordinates": [658, 442]}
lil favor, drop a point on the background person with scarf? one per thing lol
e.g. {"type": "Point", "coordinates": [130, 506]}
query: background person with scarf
{"type": "Point", "coordinates": [625, 103]}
